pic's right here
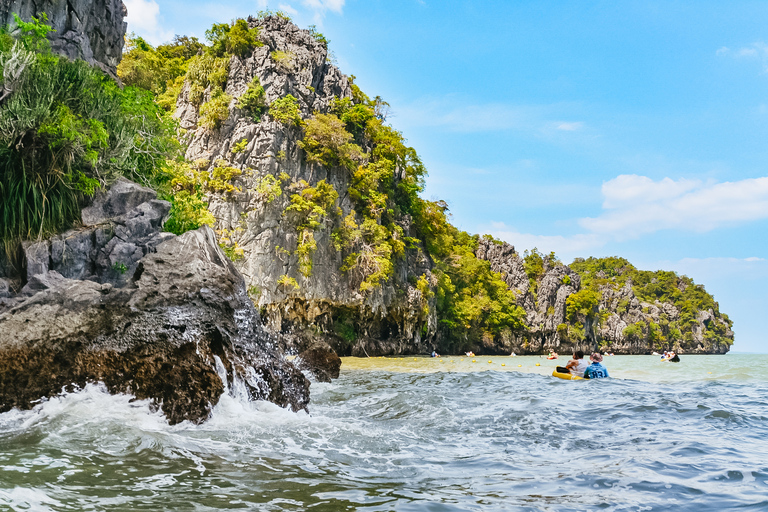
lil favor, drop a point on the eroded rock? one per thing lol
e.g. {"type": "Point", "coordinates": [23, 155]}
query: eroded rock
{"type": "Point", "coordinates": [168, 329]}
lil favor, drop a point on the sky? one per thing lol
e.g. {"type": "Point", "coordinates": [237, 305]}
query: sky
{"type": "Point", "coordinates": [595, 128]}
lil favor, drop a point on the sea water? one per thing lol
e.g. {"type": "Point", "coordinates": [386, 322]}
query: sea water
{"type": "Point", "coordinates": [415, 434]}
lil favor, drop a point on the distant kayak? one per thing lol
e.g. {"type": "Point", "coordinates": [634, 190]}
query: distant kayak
{"type": "Point", "coordinates": [552, 357]}
{"type": "Point", "coordinates": [566, 376]}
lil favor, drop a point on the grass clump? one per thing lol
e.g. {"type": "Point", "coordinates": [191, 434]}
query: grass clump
{"type": "Point", "coordinates": [65, 130]}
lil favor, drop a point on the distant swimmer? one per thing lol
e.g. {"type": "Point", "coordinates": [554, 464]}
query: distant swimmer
{"type": "Point", "coordinates": [470, 354]}
{"type": "Point", "coordinates": [435, 354]}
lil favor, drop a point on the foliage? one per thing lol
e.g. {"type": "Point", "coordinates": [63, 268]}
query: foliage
{"type": "Point", "coordinates": [216, 110]}
{"type": "Point", "coordinates": [266, 13]}
{"type": "Point", "coordinates": [65, 130]}
{"type": "Point", "coordinates": [582, 304]}
{"type": "Point", "coordinates": [327, 142]}
{"type": "Point", "coordinates": [312, 206]}
{"type": "Point", "coordinates": [239, 147]}
{"type": "Point", "coordinates": [235, 39]}
{"type": "Point", "coordinates": [317, 36]}
{"type": "Point", "coordinates": [283, 60]}
{"type": "Point", "coordinates": [189, 209]}
{"type": "Point", "coordinates": [286, 110]}
{"type": "Point", "coordinates": [206, 71]}
{"type": "Point", "coordinates": [268, 188]}
{"type": "Point", "coordinates": [229, 245]}
{"type": "Point", "coordinates": [253, 100]}
{"type": "Point", "coordinates": [289, 284]}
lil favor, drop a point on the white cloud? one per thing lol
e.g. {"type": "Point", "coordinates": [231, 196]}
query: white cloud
{"type": "Point", "coordinates": [570, 127]}
{"type": "Point", "coordinates": [566, 247]}
{"type": "Point", "coordinates": [704, 270]}
{"type": "Point", "coordinates": [290, 11]}
{"type": "Point", "coordinates": [458, 115]}
{"type": "Point", "coordinates": [144, 19]}
{"type": "Point", "coordinates": [637, 205]}
{"type": "Point", "coordinates": [758, 50]}
{"type": "Point", "coordinates": [320, 7]}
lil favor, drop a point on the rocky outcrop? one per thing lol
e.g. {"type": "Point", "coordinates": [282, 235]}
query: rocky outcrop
{"type": "Point", "coordinates": [604, 328]}
{"type": "Point", "coordinates": [328, 303]}
{"type": "Point", "coordinates": [91, 30]}
{"type": "Point", "coordinates": [321, 361]}
{"type": "Point", "coordinates": [161, 317]}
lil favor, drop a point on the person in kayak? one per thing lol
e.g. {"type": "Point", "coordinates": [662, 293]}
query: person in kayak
{"type": "Point", "coordinates": [596, 370]}
{"type": "Point", "coordinates": [576, 366]}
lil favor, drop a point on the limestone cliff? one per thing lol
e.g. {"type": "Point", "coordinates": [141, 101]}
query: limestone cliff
{"type": "Point", "coordinates": [91, 30]}
{"type": "Point", "coordinates": [328, 304]}
{"type": "Point", "coordinates": [619, 321]}
{"type": "Point", "coordinates": [309, 293]}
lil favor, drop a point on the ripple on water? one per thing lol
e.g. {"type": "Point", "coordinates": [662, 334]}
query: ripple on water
{"type": "Point", "coordinates": [396, 440]}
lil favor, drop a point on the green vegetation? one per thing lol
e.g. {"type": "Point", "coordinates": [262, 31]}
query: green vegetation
{"type": "Point", "coordinates": [663, 286]}
{"type": "Point", "coordinates": [283, 60]}
{"type": "Point", "coordinates": [253, 100]}
{"type": "Point", "coordinates": [216, 110]}
{"type": "Point", "coordinates": [189, 209]}
{"type": "Point", "coordinates": [239, 147]}
{"type": "Point", "coordinates": [286, 110]}
{"type": "Point", "coordinates": [312, 206]}
{"type": "Point", "coordinates": [235, 39]}
{"type": "Point", "coordinates": [65, 130]}
{"type": "Point", "coordinates": [582, 304]}
{"type": "Point", "coordinates": [288, 284]}
{"type": "Point", "coordinates": [317, 36]}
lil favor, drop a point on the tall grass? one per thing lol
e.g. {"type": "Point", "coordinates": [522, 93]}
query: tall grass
{"type": "Point", "coordinates": [65, 130]}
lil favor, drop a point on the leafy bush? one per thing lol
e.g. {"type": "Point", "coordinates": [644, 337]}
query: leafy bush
{"type": "Point", "coordinates": [284, 60]}
{"type": "Point", "coordinates": [289, 284]}
{"type": "Point", "coordinates": [286, 110]}
{"type": "Point", "coordinates": [582, 303]}
{"type": "Point", "coordinates": [239, 147]}
{"type": "Point", "coordinates": [317, 36]}
{"type": "Point", "coordinates": [235, 39]}
{"type": "Point", "coordinates": [189, 209]}
{"type": "Point", "coordinates": [254, 100]}
{"type": "Point", "coordinates": [327, 142]}
{"type": "Point", "coordinates": [312, 205]}
{"type": "Point", "coordinates": [216, 110]}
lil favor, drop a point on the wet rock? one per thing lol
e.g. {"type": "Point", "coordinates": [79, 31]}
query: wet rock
{"type": "Point", "coordinates": [174, 329]}
{"type": "Point", "coordinates": [321, 361]}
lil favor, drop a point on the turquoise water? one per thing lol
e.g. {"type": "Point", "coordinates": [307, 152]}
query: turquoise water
{"type": "Point", "coordinates": [431, 434]}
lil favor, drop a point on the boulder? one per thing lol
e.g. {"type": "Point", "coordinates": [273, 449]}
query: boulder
{"type": "Point", "coordinates": [175, 329]}
{"type": "Point", "coordinates": [321, 361]}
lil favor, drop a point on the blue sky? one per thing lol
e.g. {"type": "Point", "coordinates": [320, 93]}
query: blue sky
{"type": "Point", "coordinates": [637, 129]}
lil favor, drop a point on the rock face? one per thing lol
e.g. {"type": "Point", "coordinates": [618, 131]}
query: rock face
{"type": "Point", "coordinates": [328, 303]}
{"type": "Point", "coordinates": [604, 328]}
{"type": "Point", "coordinates": [161, 317]}
{"type": "Point", "coordinates": [91, 30]}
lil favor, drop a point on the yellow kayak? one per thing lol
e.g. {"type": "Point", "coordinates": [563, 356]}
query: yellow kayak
{"type": "Point", "coordinates": [566, 376]}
